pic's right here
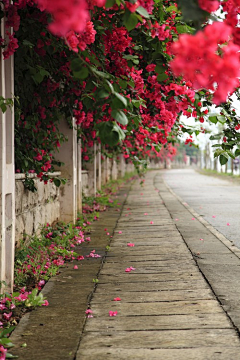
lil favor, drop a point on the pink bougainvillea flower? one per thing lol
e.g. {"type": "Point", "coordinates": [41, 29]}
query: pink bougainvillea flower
{"type": "Point", "coordinates": [3, 353]}
{"type": "Point", "coordinates": [228, 224]}
{"type": "Point", "coordinates": [88, 239]}
{"type": "Point", "coordinates": [113, 313]}
{"type": "Point", "coordinates": [130, 269]}
{"type": "Point", "coordinates": [151, 222]}
{"type": "Point", "coordinates": [46, 303]}
{"type": "Point", "coordinates": [80, 257]}
{"type": "Point", "coordinates": [105, 229]}
{"type": "Point", "coordinates": [75, 267]}
{"type": "Point", "coordinates": [120, 232]}
{"type": "Point", "coordinates": [117, 299]}
{"type": "Point", "coordinates": [88, 311]}
{"type": "Point", "coordinates": [7, 316]}
{"type": "Point", "coordinates": [108, 233]}
{"type": "Point", "coordinates": [130, 244]}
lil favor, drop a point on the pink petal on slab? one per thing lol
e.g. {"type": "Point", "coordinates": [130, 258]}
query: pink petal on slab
{"type": "Point", "coordinates": [88, 311]}
{"type": "Point", "coordinates": [75, 267]}
{"type": "Point", "coordinates": [117, 299]}
{"type": "Point", "coordinates": [193, 218]}
{"type": "Point", "coordinates": [214, 216]}
{"type": "Point", "coordinates": [113, 313]}
{"type": "Point", "coordinates": [131, 244]}
{"type": "Point", "coordinates": [120, 232]}
{"type": "Point", "coordinates": [201, 239]}
{"type": "Point", "coordinates": [151, 222]}
{"type": "Point", "coordinates": [228, 224]}
{"type": "Point", "coordinates": [176, 219]}
{"type": "Point", "coordinates": [145, 213]}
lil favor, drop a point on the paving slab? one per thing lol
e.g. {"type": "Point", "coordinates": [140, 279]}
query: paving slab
{"type": "Point", "coordinates": [200, 353]}
{"type": "Point", "coordinates": [101, 296]}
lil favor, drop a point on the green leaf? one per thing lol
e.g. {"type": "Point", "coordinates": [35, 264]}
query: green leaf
{"type": "Point", "coordinates": [237, 152]}
{"type": "Point", "coordinates": [11, 356]}
{"type": "Point", "coordinates": [123, 84]}
{"type": "Point", "coordinates": [76, 65]}
{"type": "Point", "coordinates": [38, 78]}
{"type": "Point", "coordinates": [140, 10]}
{"type": "Point", "coordinates": [119, 116]}
{"type": "Point", "coordinates": [213, 119]}
{"type": "Point", "coordinates": [171, 9]}
{"type": "Point", "coordinates": [82, 74]}
{"type": "Point", "coordinates": [121, 98]}
{"type": "Point", "coordinates": [102, 94]}
{"type": "Point", "coordinates": [6, 342]}
{"type": "Point", "coordinates": [230, 154]}
{"type": "Point", "coordinates": [110, 3]}
{"type": "Point", "coordinates": [162, 77]}
{"type": "Point", "coordinates": [28, 43]}
{"type": "Point", "coordinates": [223, 159]}
{"type": "Point", "coordinates": [183, 29]}
{"type": "Point", "coordinates": [107, 134]}
{"type": "Point", "coordinates": [221, 119]}
{"type": "Point", "coordinates": [57, 182]}
{"type": "Point", "coordinates": [159, 69]}
{"type": "Point", "coordinates": [130, 20]}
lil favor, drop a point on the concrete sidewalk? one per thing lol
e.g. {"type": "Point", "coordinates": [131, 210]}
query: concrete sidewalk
{"type": "Point", "coordinates": [167, 309]}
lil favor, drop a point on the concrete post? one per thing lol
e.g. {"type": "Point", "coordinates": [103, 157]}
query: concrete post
{"type": "Point", "coordinates": [68, 155]}
{"type": "Point", "coordinates": [7, 176]}
{"type": "Point", "coordinates": [99, 166]}
{"type": "Point", "coordinates": [95, 167]}
{"type": "Point", "coordinates": [79, 176]}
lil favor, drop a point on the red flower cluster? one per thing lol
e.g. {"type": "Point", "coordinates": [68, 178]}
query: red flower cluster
{"type": "Point", "coordinates": [200, 60]}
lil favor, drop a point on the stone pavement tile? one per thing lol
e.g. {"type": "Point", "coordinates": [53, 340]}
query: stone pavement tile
{"type": "Point", "coordinates": [120, 353]}
{"type": "Point", "coordinates": [137, 278]}
{"type": "Point", "coordinates": [121, 287]}
{"type": "Point", "coordinates": [154, 235]}
{"type": "Point", "coordinates": [101, 296]}
{"type": "Point", "coordinates": [158, 308]}
{"type": "Point", "coordinates": [163, 322]}
{"type": "Point", "coordinates": [187, 257]}
{"type": "Point", "coordinates": [145, 241]}
{"type": "Point", "coordinates": [149, 250]}
{"type": "Point", "coordinates": [147, 267]}
{"type": "Point", "coordinates": [119, 270]}
{"type": "Point", "coordinates": [192, 338]}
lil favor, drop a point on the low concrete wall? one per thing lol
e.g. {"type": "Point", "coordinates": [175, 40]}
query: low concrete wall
{"type": "Point", "coordinates": [35, 209]}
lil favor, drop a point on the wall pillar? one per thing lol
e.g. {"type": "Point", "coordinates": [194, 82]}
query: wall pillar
{"type": "Point", "coordinates": [79, 176]}
{"type": "Point", "coordinates": [99, 166]}
{"type": "Point", "coordinates": [7, 174]}
{"type": "Point", "coordinates": [68, 155]}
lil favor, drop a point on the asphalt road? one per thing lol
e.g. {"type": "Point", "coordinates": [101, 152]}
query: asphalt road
{"type": "Point", "coordinates": [217, 200]}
